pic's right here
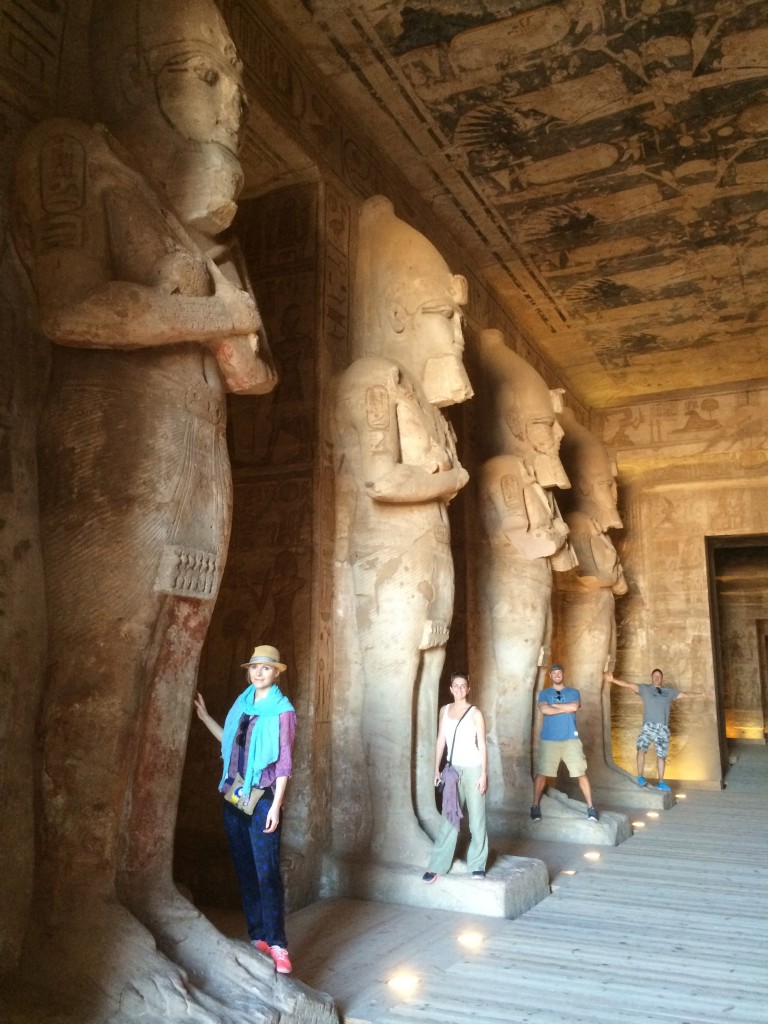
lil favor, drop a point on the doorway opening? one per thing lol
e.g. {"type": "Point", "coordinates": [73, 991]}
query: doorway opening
{"type": "Point", "coordinates": [738, 597]}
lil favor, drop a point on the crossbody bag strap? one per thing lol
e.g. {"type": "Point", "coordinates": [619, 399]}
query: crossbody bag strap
{"type": "Point", "coordinates": [453, 741]}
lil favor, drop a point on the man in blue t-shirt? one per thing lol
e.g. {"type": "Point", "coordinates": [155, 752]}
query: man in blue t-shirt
{"type": "Point", "coordinates": [557, 705]}
{"type": "Point", "coordinates": [657, 700]}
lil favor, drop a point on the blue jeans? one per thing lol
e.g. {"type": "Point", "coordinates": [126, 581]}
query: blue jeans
{"type": "Point", "coordinates": [256, 857]}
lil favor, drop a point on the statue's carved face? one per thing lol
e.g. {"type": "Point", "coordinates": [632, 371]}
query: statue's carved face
{"type": "Point", "coordinates": [537, 439]}
{"type": "Point", "coordinates": [431, 341]}
{"type": "Point", "coordinates": [200, 94]}
{"type": "Point", "coordinates": [545, 434]}
{"type": "Point", "coordinates": [604, 497]}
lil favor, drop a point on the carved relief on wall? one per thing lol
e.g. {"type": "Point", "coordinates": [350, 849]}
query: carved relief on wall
{"type": "Point", "coordinates": [716, 424]}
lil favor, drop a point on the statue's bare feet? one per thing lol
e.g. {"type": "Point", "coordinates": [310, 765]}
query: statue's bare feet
{"type": "Point", "coordinates": [103, 966]}
{"type": "Point", "coordinates": [229, 971]}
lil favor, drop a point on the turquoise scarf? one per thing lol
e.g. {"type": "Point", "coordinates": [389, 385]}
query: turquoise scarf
{"type": "Point", "coordinates": [264, 748]}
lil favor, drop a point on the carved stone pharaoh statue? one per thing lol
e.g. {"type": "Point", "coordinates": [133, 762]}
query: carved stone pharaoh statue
{"type": "Point", "coordinates": [523, 539]}
{"type": "Point", "coordinates": [586, 597]}
{"type": "Point", "coordinates": [117, 225]}
{"type": "Point", "coordinates": [398, 456]}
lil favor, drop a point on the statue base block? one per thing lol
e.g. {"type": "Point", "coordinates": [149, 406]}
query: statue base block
{"type": "Point", "coordinates": [511, 886]}
{"type": "Point", "coordinates": [630, 795]}
{"type": "Point", "coordinates": [562, 821]}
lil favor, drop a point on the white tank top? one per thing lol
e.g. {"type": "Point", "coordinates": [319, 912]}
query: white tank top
{"type": "Point", "coordinates": [465, 752]}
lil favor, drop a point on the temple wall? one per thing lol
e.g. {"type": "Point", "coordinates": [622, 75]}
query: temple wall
{"type": "Point", "coordinates": [34, 83]}
{"type": "Point", "coordinates": [688, 469]}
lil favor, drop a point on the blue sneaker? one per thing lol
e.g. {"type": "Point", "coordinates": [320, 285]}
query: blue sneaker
{"type": "Point", "coordinates": [640, 780]}
{"type": "Point", "coordinates": [592, 814]}
{"type": "Point", "coordinates": [664, 787]}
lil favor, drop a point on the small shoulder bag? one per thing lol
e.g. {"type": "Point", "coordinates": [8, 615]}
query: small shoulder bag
{"type": "Point", "coordinates": [448, 763]}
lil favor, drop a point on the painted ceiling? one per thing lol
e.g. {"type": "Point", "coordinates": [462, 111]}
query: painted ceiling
{"type": "Point", "coordinates": [604, 162]}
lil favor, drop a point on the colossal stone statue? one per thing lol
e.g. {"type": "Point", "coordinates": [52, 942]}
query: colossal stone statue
{"type": "Point", "coordinates": [397, 455]}
{"type": "Point", "coordinates": [117, 226]}
{"type": "Point", "coordinates": [585, 598]}
{"type": "Point", "coordinates": [523, 539]}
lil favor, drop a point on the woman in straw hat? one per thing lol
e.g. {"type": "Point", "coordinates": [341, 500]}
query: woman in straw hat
{"type": "Point", "coordinates": [256, 744]}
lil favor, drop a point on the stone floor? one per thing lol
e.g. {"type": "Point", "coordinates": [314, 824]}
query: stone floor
{"type": "Point", "coordinates": [671, 926]}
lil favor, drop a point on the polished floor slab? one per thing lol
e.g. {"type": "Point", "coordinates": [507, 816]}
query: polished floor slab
{"type": "Point", "coordinates": [671, 926]}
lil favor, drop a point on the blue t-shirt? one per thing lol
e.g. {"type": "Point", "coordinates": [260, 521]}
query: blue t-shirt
{"type": "Point", "coordinates": [559, 727]}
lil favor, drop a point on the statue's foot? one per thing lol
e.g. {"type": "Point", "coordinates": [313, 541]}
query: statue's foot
{"type": "Point", "coordinates": [229, 971]}
{"type": "Point", "coordinates": [102, 965]}
{"type": "Point", "coordinates": [407, 844]}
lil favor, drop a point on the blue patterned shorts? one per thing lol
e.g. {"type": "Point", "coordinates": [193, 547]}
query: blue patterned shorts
{"type": "Point", "coordinates": [654, 732]}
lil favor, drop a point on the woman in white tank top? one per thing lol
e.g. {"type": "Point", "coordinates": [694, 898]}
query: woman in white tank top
{"type": "Point", "coordinates": [461, 736]}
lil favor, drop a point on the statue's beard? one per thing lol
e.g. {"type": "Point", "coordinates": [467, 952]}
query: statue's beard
{"type": "Point", "coordinates": [608, 518]}
{"type": "Point", "coordinates": [445, 381]}
{"type": "Point", "coordinates": [549, 471]}
{"type": "Point", "coordinates": [202, 181]}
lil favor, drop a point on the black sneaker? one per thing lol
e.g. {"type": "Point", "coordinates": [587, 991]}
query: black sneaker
{"type": "Point", "coordinates": [592, 814]}
{"type": "Point", "coordinates": [429, 877]}
{"type": "Point", "coordinates": [478, 874]}
{"type": "Point", "coordinates": [535, 813]}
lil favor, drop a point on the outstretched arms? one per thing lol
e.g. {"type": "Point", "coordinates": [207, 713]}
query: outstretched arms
{"type": "Point", "coordinates": [608, 677]}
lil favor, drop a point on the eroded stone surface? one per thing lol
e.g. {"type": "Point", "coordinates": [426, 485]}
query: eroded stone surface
{"type": "Point", "coordinates": [585, 597]}
{"type": "Point", "coordinates": [118, 225]}
{"type": "Point", "coordinates": [398, 471]}
{"type": "Point", "coordinates": [523, 538]}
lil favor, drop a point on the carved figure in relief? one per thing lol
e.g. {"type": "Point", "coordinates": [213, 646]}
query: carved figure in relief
{"type": "Point", "coordinates": [585, 598]}
{"type": "Point", "coordinates": [524, 538]}
{"type": "Point", "coordinates": [152, 323]}
{"type": "Point", "coordinates": [398, 457]}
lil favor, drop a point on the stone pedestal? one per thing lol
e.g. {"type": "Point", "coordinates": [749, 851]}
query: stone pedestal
{"type": "Point", "coordinates": [630, 795]}
{"type": "Point", "coordinates": [563, 821]}
{"type": "Point", "coordinates": [511, 886]}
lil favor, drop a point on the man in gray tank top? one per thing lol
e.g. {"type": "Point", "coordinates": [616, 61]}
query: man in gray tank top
{"type": "Point", "coordinates": [657, 700]}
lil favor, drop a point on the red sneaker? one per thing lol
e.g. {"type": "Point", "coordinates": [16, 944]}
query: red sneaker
{"type": "Point", "coordinates": [261, 945]}
{"type": "Point", "coordinates": [280, 956]}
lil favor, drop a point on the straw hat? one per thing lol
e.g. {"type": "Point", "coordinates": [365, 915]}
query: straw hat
{"type": "Point", "coordinates": [265, 655]}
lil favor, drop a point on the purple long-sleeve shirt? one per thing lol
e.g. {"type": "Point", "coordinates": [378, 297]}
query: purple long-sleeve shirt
{"type": "Point", "coordinates": [283, 766]}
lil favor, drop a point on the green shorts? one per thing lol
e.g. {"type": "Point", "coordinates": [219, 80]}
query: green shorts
{"type": "Point", "coordinates": [552, 752]}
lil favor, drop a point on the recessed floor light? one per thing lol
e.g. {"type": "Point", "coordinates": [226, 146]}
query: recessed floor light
{"type": "Point", "coordinates": [470, 940]}
{"type": "Point", "coordinates": [404, 983]}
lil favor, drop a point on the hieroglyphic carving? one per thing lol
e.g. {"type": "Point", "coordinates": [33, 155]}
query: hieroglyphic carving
{"type": "Point", "coordinates": [721, 422]}
{"type": "Point", "coordinates": [31, 40]}
{"type": "Point", "coordinates": [278, 78]}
